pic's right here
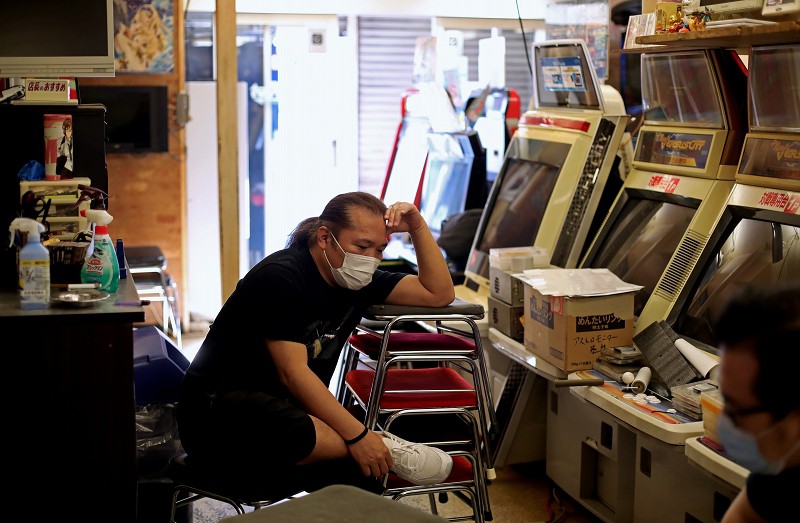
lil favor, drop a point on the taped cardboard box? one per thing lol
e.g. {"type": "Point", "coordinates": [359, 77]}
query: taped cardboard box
{"type": "Point", "coordinates": [572, 314]}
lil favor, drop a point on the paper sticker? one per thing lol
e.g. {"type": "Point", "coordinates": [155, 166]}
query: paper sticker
{"type": "Point", "coordinates": [562, 74]}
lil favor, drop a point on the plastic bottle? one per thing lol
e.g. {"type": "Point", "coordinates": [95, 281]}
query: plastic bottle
{"type": "Point", "coordinates": [34, 265]}
{"type": "Point", "coordinates": [101, 265]}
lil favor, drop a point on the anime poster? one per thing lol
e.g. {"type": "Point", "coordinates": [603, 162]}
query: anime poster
{"type": "Point", "coordinates": [143, 40]}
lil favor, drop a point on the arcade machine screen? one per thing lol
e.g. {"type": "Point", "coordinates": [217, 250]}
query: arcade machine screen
{"type": "Point", "coordinates": [518, 201]}
{"type": "Point", "coordinates": [446, 181]}
{"type": "Point", "coordinates": [759, 248]}
{"type": "Point", "coordinates": [563, 78]}
{"type": "Point", "coordinates": [644, 237]}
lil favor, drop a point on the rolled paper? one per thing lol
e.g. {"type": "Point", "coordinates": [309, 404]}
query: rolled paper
{"type": "Point", "coordinates": [699, 359]}
{"type": "Point", "coordinates": [642, 380]}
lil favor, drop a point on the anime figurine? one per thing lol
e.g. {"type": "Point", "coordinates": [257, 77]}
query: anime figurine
{"type": "Point", "coordinates": [699, 18]}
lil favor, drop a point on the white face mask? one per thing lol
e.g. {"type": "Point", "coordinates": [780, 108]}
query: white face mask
{"type": "Point", "coordinates": [356, 271]}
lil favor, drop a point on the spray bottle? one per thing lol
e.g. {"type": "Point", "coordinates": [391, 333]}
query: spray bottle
{"type": "Point", "coordinates": [101, 265]}
{"type": "Point", "coordinates": [34, 265]}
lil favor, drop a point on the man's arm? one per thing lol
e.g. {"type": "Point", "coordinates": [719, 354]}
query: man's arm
{"type": "Point", "coordinates": [370, 453]}
{"type": "Point", "coordinates": [433, 285]}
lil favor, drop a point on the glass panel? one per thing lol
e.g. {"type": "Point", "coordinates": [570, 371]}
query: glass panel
{"type": "Point", "coordinates": [680, 88]}
{"type": "Point", "coordinates": [775, 88]}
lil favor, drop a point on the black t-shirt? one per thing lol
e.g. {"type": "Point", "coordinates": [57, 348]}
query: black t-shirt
{"type": "Point", "coordinates": [773, 496]}
{"type": "Point", "coordinates": [284, 297]}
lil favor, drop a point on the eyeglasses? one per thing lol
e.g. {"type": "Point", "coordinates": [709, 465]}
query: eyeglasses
{"type": "Point", "coordinates": [737, 415]}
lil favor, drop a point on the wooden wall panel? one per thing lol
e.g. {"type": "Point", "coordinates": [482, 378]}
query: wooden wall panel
{"type": "Point", "coordinates": [148, 191]}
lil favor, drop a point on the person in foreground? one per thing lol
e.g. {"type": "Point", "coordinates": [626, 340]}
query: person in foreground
{"type": "Point", "coordinates": [758, 332]}
{"type": "Point", "coordinates": [255, 399]}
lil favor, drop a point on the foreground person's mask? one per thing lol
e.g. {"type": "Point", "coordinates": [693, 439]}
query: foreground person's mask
{"type": "Point", "coordinates": [743, 448]}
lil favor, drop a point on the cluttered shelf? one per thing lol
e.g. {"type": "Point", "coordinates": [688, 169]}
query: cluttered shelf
{"type": "Point", "coordinates": [729, 36]}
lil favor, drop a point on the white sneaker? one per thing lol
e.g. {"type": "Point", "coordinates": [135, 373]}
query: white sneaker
{"type": "Point", "coordinates": [418, 463]}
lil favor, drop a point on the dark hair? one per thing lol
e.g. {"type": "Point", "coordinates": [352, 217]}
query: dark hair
{"type": "Point", "coordinates": [335, 216]}
{"type": "Point", "coordinates": [766, 321]}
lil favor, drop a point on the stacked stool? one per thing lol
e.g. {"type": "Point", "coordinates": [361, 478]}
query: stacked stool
{"type": "Point", "coordinates": [149, 266]}
{"type": "Point", "coordinates": [435, 384]}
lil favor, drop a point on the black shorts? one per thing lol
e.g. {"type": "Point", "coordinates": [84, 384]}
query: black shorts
{"type": "Point", "coordinates": [251, 428]}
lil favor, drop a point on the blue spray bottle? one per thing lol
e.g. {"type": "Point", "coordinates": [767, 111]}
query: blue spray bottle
{"type": "Point", "coordinates": [34, 265]}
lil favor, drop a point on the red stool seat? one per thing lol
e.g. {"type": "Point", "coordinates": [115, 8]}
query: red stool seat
{"type": "Point", "coordinates": [411, 341]}
{"type": "Point", "coordinates": [455, 390]}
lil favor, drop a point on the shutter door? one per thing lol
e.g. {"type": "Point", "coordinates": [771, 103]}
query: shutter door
{"type": "Point", "coordinates": [518, 76]}
{"type": "Point", "coordinates": [385, 70]}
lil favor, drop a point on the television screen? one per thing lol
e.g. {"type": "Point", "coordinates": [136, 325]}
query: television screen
{"type": "Point", "coordinates": [519, 197]}
{"type": "Point", "coordinates": [136, 116]}
{"type": "Point", "coordinates": [641, 239]}
{"type": "Point", "coordinates": [759, 248]}
{"type": "Point", "coordinates": [53, 38]}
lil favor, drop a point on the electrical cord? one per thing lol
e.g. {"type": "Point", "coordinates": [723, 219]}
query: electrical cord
{"type": "Point", "coordinates": [524, 40]}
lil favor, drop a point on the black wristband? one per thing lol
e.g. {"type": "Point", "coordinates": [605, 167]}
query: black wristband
{"type": "Point", "coordinates": [358, 438]}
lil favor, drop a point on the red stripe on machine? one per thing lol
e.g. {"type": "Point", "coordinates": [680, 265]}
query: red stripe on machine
{"type": "Point", "coordinates": [541, 121]}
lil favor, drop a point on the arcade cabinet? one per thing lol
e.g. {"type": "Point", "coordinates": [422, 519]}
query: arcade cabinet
{"type": "Point", "coordinates": [405, 171]}
{"type": "Point", "coordinates": [495, 117]}
{"type": "Point", "coordinates": [454, 181]}
{"type": "Point", "coordinates": [746, 238]}
{"type": "Point", "coordinates": [683, 166]}
{"type": "Point", "coordinates": [555, 178]}
{"type": "Point", "coordinates": [556, 167]}
{"type": "Point", "coordinates": [403, 181]}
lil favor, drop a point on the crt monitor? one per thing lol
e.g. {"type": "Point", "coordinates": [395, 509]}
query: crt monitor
{"type": "Point", "coordinates": [54, 38]}
{"type": "Point", "coordinates": [750, 246]}
{"type": "Point", "coordinates": [455, 178]}
{"type": "Point", "coordinates": [517, 202]}
{"type": "Point", "coordinates": [643, 231]}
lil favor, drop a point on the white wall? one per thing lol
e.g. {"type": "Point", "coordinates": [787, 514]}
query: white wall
{"type": "Point", "coordinates": [204, 283]}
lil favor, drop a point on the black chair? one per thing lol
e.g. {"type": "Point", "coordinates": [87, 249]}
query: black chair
{"type": "Point", "coordinates": [192, 482]}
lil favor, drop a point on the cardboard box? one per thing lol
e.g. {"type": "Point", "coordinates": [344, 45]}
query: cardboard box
{"type": "Point", "coordinates": [506, 318]}
{"type": "Point", "coordinates": [505, 287]}
{"type": "Point", "coordinates": [572, 314]}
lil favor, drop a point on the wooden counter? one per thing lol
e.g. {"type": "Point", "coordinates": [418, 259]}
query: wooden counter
{"type": "Point", "coordinates": [70, 414]}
